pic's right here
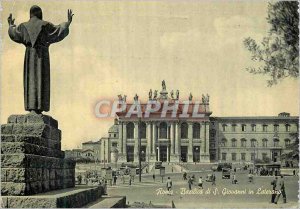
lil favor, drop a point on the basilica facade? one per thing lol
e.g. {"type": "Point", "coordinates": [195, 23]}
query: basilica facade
{"type": "Point", "coordinates": [202, 138]}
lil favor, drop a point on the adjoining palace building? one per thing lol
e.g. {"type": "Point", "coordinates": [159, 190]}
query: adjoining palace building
{"type": "Point", "coordinates": [202, 138]}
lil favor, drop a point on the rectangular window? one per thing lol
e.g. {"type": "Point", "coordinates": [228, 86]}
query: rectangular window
{"type": "Point", "coordinates": [243, 156]}
{"type": "Point", "coordinates": [287, 128]}
{"type": "Point", "coordinates": [223, 156]}
{"type": "Point", "coordinates": [233, 128]}
{"type": "Point", "coordinates": [253, 128]}
{"type": "Point", "coordinates": [243, 127]}
{"type": "Point", "coordinates": [265, 128]}
{"type": "Point", "coordinates": [224, 127]}
{"type": "Point", "coordinates": [264, 156]}
{"type": "Point", "coordinates": [233, 156]}
{"type": "Point", "coordinates": [276, 143]}
{"type": "Point", "coordinates": [252, 156]}
{"type": "Point", "coordinates": [276, 127]}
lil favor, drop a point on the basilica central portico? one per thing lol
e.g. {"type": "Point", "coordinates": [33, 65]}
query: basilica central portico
{"type": "Point", "coordinates": [167, 139]}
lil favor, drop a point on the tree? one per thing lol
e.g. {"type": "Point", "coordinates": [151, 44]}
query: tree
{"type": "Point", "coordinates": [293, 148]}
{"type": "Point", "coordinates": [278, 54]}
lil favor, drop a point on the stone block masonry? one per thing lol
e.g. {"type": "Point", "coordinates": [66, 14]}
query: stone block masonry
{"type": "Point", "coordinates": [31, 158]}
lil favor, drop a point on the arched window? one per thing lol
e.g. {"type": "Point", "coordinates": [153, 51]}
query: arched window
{"type": "Point", "coordinates": [265, 142]}
{"type": "Point", "coordinates": [196, 131]}
{"type": "Point", "coordinates": [223, 142]}
{"type": "Point", "coordinates": [143, 130]}
{"type": "Point", "coordinates": [253, 143]}
{"type": "Point", "coordinates": [233, 142]}
{"type": "Point", "coordinates": [243, 142]}
{"type": "Point", "coordinates": [130, 130]}
{"type": "Point", "coordinates": [276, 142]}
{"type": "Point", "coordinates": [184, 130]}
{"type": "Point", "coordinates": [287, 142]}
{"type": "Point", "coordinates": [163, 128]}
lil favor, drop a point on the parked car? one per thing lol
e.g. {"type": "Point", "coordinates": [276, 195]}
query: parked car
{"type": "Point", "coordinates": [224, 165]}
{"type": "Point", "coordinates": [226, 173]}
{"type": "Point", "coordinates": [214, 168]}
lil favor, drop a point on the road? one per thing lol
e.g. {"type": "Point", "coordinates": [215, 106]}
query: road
{"type": "Point", "coordinates": [224, 194]}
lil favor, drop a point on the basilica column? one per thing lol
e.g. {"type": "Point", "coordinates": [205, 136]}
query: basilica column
{"type": "Point", "coordinates": [172, 138]}
{"type": "Point", "coordinates": [204, 149]}
{"type": "Point", "coordinates": [190, 138]}
{"type": "Point", "coordinates": [124, 142]}
{"type": "Point", "coordinates": [148, 135]}
{"type": "Point", "coordinates": [154, 140]}
{"type": "Point", "coordinates": [120, 141]}
{"type": "Point", "coordinates": [136, 141]}
{"type": "Point", "coordinates": [177, 141]}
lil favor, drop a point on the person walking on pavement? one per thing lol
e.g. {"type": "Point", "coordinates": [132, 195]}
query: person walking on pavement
{"type": "Point", "coordinates": [169, 184]}
{"type": "Point", "coordinates": [282, 191]}
{"type": "Point", "coordinates": [115, 180]}
{"type": "Point", "coordinates": [184, 176]}
{"type": "Point", "coordinates": [274, 187]}
{"type": "Point", "coordinates": [200, 183]}
{"type": "Point", "coordinates": [153, 177]}
{"type": "Point", "coordinates": [213, 179]}
{"type": "Point", "coordinates": [190, 182]}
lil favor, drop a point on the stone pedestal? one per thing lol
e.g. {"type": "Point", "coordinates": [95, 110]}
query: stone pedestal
{"type": "Point", "coordinates": [31, 158]}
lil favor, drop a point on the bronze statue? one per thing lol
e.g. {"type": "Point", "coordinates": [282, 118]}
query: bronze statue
{"type": "Point", "coordinates": [37, 35]}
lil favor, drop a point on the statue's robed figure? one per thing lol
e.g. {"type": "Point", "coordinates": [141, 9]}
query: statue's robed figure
{"type": "Point", "coordinates": [37, 35]}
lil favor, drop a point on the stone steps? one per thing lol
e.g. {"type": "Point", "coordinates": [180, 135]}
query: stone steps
{"type": "Point", "coordinates": [108, 202]}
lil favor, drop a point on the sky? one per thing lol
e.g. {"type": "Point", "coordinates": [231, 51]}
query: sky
{"type": "Point", "coordinates": [129, 47]}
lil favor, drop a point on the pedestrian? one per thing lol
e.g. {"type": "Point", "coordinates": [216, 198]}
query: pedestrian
{"type": "Point", "coordinates": [115, 180]}
{"type": "Point", "coordinates": [129, 181]}
{"type": "Point", "coordinates": [169, 184]}
{"type": "Point", "coordinates": [193, 178]}
{"type": "Point", "coordinates": [294, 172]}
{"type": "Point", "coordinates": [200, 183]}
{"type": "Point", "coordinates": [172, 169]}
{"type": "Point", "coordinates": [274, 187]}
{"type": "Point", "coordinates": [190, 183]}
{"type": "Point", "coordinates": [213, 179]}
{"type": "Point", "coordinates": [153, 177]}
{"type": "Point", "coordinates": [184, 176]}
{"type": "Point", "coordinates": [282, 191]}
{"type": "Point", "coordinates": [234, 181]}
{"type": "Point", "coordinates": [250, 175]}
{"type": "Point", "coordinates": [79, 179]}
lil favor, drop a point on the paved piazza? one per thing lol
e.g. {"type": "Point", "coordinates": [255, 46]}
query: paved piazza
{"type": "Point", "coordinates": [148, 190]}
